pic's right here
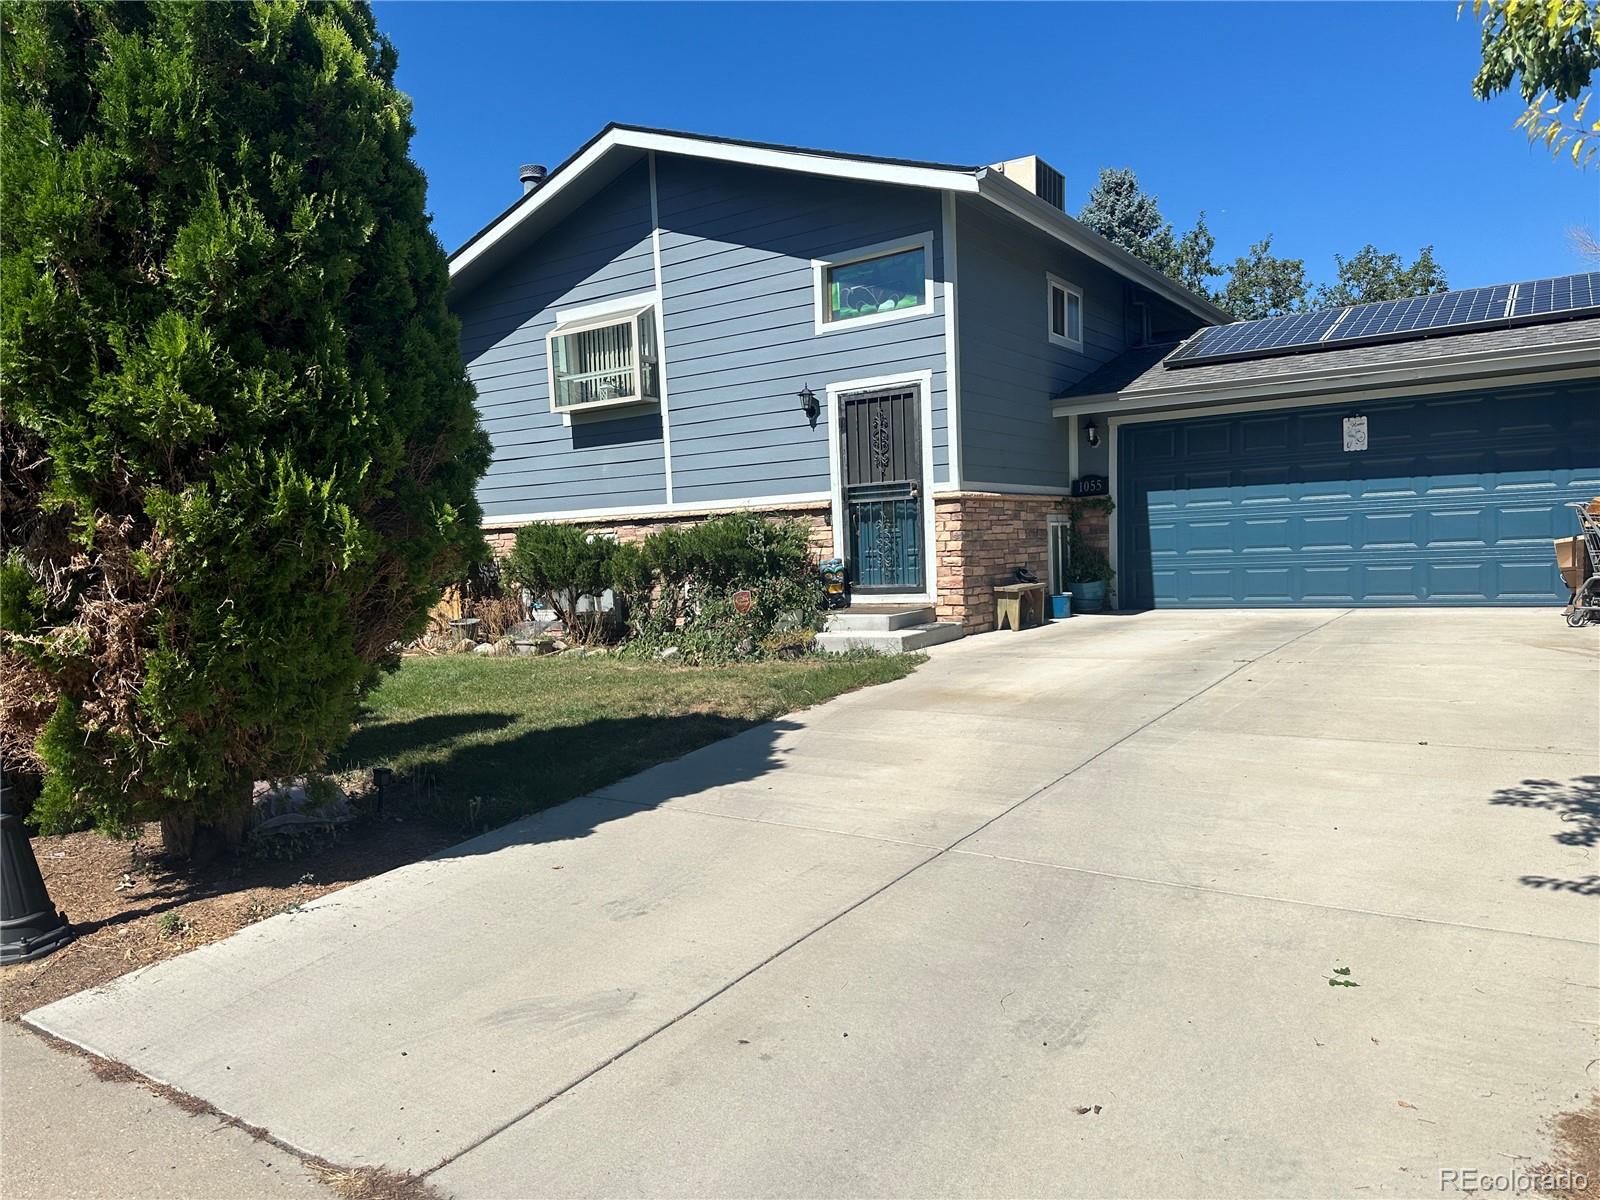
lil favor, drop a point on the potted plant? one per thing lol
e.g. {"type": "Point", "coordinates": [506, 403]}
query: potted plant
{"type": "Point", "coordinates": [1091, 574]}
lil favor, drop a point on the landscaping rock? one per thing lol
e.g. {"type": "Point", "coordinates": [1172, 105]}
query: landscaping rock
{"type": "Point", "coordinates": [275, 807]}
{"type": "Point", "coordinates": [484, 648]}
{"type": "Point", "coordinates": [669, 652]}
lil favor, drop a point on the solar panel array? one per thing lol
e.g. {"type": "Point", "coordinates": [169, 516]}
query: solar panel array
{"type": "Point", "coordinates": [1395, 320]}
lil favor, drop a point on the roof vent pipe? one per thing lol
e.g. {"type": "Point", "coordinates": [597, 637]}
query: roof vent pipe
{"type": "Point", "coordinates": [532, 175]}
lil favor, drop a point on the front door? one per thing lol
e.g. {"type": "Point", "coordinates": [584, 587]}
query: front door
{"type": "Point", "coordinates": [880, 453]}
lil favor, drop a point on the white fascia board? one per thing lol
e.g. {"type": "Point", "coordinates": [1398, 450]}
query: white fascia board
{"type": "Point", "coordinates": [1366, 375]}
{"type": "Point", "coordinates": [692, 147]}
{"type": "Point", "coordinates": [533, 202]}
{"type": "Point", "coordinates": [1020, 202]}
{"type": "Point", "coordinates": [903, 175]}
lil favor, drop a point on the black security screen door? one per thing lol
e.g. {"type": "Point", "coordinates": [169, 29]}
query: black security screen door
{"type": "Point", "coordinates": [880, 452]}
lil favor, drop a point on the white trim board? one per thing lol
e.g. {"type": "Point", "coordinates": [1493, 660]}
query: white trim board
{"type": "Point", "coordinates": [646, 512]}
{"type": "Point", "coordinates": [661, 330]}
{"type": "Point", "coordinates": [952, 340]}
{"type": "Point", "coordinates": [923, 382]}
{"type": "Point", "coordinates": [1005, 489]}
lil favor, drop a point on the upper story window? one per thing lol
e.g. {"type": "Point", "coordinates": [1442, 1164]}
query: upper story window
{"type": "Point", "coordinates": [874, 284]}
{"type": "Point", "coordinates": [1064, 313]}
{"type": "Point", "coordinates": [604, 359]}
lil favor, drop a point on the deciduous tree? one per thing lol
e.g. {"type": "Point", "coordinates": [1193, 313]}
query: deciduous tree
{"type": "Point", "coordinates": [1370, 275]}
{"type": "Point", "coordinates": [1548, 50]}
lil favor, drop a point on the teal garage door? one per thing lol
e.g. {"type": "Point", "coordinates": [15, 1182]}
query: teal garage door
{"type": "Point", "coordinates": [1454, 501]}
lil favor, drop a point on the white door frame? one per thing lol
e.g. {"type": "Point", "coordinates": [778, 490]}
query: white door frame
{"type": "Point", "coordinates": [923, 382]}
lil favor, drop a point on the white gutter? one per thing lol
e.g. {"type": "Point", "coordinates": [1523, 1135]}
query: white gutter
{"type": "Point", "coordinates": [1582, 353]}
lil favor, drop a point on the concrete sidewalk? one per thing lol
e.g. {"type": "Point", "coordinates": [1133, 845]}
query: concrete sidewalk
{"type": "Point", "coordinates": [895, 944]}
{"type": "Point", "coordinates": [70, 1136]}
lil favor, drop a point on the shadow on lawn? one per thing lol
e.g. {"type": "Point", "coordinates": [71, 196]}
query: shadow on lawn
{"type": "Point", "coordinates": [1577, 803]}
{"type": "Point", "coordinates": [477, 785]}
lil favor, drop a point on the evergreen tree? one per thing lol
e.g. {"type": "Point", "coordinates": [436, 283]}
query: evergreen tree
{"type": "Point", "coordinates": [240, 444]}
{"type": "Point", "coordinates": [1121, 211]}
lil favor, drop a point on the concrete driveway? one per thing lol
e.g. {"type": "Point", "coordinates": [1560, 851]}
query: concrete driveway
{"type": "Point", "coordinates": [1057, 915]}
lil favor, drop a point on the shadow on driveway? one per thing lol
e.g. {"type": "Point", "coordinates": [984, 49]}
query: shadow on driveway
{"type": "Point", "coordinates": [1577, 805]}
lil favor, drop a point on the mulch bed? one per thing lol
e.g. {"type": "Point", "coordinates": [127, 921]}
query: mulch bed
{"type": "Point", "coordinates": [130, 908]}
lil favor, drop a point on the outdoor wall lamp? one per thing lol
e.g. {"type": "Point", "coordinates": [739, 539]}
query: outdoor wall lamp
{"type": "Point", "coordinates": [810, 405]}
{"type": "Point", "coordinates": [1091, 434]}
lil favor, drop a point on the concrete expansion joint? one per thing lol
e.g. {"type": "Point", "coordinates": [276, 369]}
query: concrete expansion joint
{"type": "Point", "coordinates": [937, 854]}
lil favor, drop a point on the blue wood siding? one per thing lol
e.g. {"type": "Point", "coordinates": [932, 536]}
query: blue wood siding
{"type": "Point", "coordinates": [540, 463]}
{"type": "Point", "coordinates": [737, 245]}
{"type": "Point", "coordinates": [1010, 370]}
{"type": "Point", "coordinates": [739, 341]}
{"type": "Point", "coordinates": [1454, 502]}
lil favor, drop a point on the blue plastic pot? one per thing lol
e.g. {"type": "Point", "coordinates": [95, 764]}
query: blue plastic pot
{"type": "Point", "coordinates": [1060, 606]}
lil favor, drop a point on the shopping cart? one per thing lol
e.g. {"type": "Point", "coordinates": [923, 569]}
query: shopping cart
{"type": "Point", "coordinates": [1580, 564]}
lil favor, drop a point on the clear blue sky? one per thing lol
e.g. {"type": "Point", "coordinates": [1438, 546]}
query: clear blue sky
{"type": "Point", "coordinates": [1329, 125]}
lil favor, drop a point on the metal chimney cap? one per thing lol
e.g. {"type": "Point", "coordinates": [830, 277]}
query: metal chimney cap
{"type": "Point", "coordinates": [531, 175]}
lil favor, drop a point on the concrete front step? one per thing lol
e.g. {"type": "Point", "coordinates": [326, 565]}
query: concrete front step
{"type": "Point", "coordinates": [877, 619]}
{"type": "Point", "coordinates": [887, 641]}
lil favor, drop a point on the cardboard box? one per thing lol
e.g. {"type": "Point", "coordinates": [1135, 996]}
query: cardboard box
{"type": "Point", "coordinates": [1572, 558]}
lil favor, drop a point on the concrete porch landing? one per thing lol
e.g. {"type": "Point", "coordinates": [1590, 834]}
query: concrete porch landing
{"type": "Point", "coordinates": [885, 628]}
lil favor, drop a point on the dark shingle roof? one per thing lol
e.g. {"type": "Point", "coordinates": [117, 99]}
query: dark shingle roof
{"type": "Point", "coordinates": [1140, 372]}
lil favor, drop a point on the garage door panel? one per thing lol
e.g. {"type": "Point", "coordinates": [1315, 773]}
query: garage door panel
{"type": "Point", "coordinates": [1265, 435]}
{"type": "Point", "coordinates": [1336, 531]}
{"type": "Point", "coordinates": [1389, 582]}
{"type": "Point", "coordinates": [1261, 585]}
{"type": "Point", "coordinates": [1456, 503]}
{"type": "Point", "coordinates": [1201, 440]}
{"type": "Point", "coordinates": [1387, 531]}
{"type": "Point", "coordinates": [1326, 584]}
{"type": "Point", "coordinates": [1458, 527]}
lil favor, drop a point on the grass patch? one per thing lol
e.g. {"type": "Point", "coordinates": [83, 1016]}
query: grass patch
{"type": "Point", "coordinates": [476, 742]}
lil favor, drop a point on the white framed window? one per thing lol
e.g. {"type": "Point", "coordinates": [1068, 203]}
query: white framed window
{"type": "Point", "coordinates": [604, 357]}
{"type": "Point", "coordinates": [873, 284]}
{"type": "Point", "coordinates": [1060, 554]}
{"type": "Point", "coordinates": [1063, 313]}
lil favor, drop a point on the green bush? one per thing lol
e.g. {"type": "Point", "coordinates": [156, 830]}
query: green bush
{"type": "Point", "coordinates": [239, 443]}
{"type": "Point", "coordinates": [559, 563]}
{"type": "Point", "coordinates": [696, 570]}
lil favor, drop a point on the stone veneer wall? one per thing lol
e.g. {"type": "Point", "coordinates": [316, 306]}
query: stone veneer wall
{"type": "Point", "coordinates": [981, 538]}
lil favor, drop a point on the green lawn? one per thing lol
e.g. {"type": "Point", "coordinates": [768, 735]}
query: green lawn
{"type": "Point", "coordinates": [478, 741]}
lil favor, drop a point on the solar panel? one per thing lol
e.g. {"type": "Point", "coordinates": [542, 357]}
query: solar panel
{"type": "Point", "coordinates": [1438, 311]}
{"type": "Point", "coordinates": [1394, 320]}
{"type": "Point", "coordinates": [1248, 338]}
{"type": "Point", "coordinates": [1570, 292]}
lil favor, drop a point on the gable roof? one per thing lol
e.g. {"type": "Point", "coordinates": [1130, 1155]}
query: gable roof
{"type": "Point", "coordinates": [616, 147]}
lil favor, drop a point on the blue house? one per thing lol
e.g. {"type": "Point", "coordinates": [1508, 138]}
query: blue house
{"type": "Point", "coordinates": [920, 360]}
